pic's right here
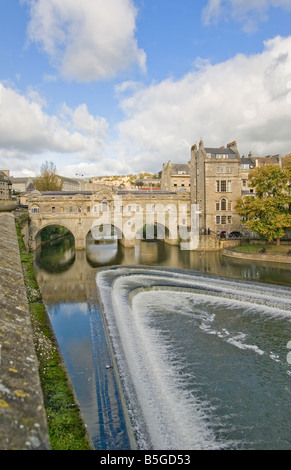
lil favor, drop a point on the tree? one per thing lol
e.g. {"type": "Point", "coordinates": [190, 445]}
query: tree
{"type": "Point", "coordinates": [48, 179]}
{"type": "Point", "coordinates": [268, 212]}
{"type": "Point", "coordinates": [269, 180]}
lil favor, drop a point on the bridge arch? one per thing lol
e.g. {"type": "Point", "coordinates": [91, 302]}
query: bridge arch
{"type": "Point", "coordinates": [37, 226]}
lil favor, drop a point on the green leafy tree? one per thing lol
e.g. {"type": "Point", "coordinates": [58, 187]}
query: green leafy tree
{"type": "Point", "coordinates": [267, 213]}
{"type": "Point", "coordinates": [270, 180]}
{"type": "Point", "coordinates": [48, 179]}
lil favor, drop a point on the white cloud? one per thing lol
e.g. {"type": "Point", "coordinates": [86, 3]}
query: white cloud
{"type": "Point", "coordinates": [28, 134]}
{"type": "Point", "coordinates": [243, 99]}
{"type": "Point", "coordinates": [248, 12]}
{"type": "Point", "coordinates": [246, 99]}
{"type": "Point", "coordinates": [89, 40]}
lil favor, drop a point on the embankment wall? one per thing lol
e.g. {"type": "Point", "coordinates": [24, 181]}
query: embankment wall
{"type": "Point", "coordinates": [23, 423]}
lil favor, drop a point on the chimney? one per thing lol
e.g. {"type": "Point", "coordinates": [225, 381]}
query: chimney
{"type": "Point", "coordinates": [232, 145]}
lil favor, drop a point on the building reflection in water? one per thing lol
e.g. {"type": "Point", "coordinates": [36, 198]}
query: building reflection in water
{"type": "Point", "coordinates": [64, 273]}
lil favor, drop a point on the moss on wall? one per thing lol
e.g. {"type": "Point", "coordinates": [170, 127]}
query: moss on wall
{"type": "Point", "coordinates": [66, 427]}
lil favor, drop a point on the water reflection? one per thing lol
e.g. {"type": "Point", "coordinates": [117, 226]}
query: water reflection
{"type": "Point", "coordinates": [57, 255]}
{"type": "Point", "coordinates": [67, 279]}
{"type": "Point", "coordinates": [78, 268]}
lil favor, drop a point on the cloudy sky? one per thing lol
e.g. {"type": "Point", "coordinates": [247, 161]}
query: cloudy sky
{"type": "Point", "coordinates": [120, 86]}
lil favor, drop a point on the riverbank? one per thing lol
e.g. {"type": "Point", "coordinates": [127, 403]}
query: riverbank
{"type": "Point", "coordinates": [38, 407]}
{"type": "Point", "coordinates": [261, 252]}
{"type": "Point", "coordinates": [66, 427]}
{"type": "Point", "coordinates": [23, 424]}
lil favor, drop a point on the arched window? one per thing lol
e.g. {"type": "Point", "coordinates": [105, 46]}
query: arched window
{"type": "Point", "coordinates": [223, 204]}
{"type": "Point", "coordinates": [34, 210]}
{"type": "Point", "coordinates": [104, 205]}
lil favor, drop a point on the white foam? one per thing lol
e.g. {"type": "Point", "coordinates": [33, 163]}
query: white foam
{"type": "Point", "coordinates": [151, 371]}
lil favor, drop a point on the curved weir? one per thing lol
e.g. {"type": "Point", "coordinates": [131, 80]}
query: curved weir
{"type": "Point", "coordinates": [202, 360]}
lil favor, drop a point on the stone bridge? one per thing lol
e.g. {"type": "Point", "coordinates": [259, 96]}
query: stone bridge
{"type": "Point", "coordinates": [126, 215]}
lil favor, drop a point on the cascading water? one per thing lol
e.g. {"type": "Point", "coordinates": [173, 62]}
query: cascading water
{"type": "Point", "coordinates": [202, 361]}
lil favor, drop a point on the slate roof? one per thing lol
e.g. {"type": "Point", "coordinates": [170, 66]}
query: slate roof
{"type": "Point", "coordinates": [221, 151]}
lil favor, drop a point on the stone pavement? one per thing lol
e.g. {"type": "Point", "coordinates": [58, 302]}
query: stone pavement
{"type": "Point", "coordinates": [22, 415]}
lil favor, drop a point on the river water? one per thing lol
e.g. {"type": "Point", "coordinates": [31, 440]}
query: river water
{"type": "Point", "coordinates": [198, 349]}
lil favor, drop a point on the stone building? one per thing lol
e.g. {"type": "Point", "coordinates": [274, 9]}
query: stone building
{"type": "Point", "coordinates": [22, 184]}
{"type": "Point", "coordinates": [247, 165]}
{"type": "Point", "coordinates": [5, 185]}
{"type": "Point", "coordinates": [175, 177]}
{"type": "Point", "coordinates": [213, 178]}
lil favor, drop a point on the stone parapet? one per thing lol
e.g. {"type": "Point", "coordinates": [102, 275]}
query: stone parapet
{"type": "Point", "coordinates": [22, 415]}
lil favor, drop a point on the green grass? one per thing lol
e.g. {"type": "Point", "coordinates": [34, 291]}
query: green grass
{"type": "Point", "coordinates": [271, 249]}
{"type": "Point", "coordinates": [65, 426]}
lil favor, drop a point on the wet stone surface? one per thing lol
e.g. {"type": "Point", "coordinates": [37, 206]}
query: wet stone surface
{"type": "Point", "coordinates": [22, 415]}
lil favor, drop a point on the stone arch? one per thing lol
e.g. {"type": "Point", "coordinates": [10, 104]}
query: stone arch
{"type": "Point", "coordinates": [35, 231]}
{"type": "Point", "coordinates": [155, 231]}
{"type": "Point", "coordinates": [104, 229]}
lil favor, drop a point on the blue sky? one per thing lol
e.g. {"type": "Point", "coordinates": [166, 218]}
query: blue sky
{"type": "Point", "coordinates": [121, 86]}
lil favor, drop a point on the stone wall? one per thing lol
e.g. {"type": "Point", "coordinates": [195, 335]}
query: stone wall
{"type": "Point", "coordinates": [22, 416]}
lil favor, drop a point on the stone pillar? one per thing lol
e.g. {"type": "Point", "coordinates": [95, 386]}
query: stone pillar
{"type": "Point", "coordinates": [127, 243]}
{"type": "Point", "coordinates": [80, 243]}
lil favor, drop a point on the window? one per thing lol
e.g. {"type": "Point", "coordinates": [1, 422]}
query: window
{"type": "Point", "coordinates": [223, 186]}
{"type": "Point", "coordinates": [70, 209]}
{"type": "Point", "coordinates": [88, 209]}
{"type": "Point", "coordinates": [223, 219]}
{"type": "Point", "coordinates": [223, 204]}
{"type": "Point", "coordinates": [218, 219]}
{"type": "Point", "coordinates": [104, 205]}
{"type": "Point", "coordinates": [229, 186]}
{"type": "Point", "coordinates": [35, 210]}
{"type": "Point", "coordinates": [229, 206]}
{"type": "Point", "coordinates": [53, 210]}
{"type": "Point", "coordinates": [244, 183]}
{"type": "Point", "coordinates": [224, 169]}
{"type": "Point", "coordinates": [79, 209]}
{"type": "Point", "coordinates": [217, 206]}
{"type": "Point", "coordinates": [229, 219]}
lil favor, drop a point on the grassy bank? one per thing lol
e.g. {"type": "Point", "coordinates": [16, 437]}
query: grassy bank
{"type": "Point", "coordinates": [65, 425]}
{"type": "Point", "coordinates": [270, 248]}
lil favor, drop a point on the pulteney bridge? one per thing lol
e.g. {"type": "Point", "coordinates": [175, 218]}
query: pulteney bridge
{"type": "Point", "coordinates": [127, 212]}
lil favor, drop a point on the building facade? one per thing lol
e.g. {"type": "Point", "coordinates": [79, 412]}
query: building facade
{"type": "Point", "coordinates": [213, 178]}
{"type": "Point", "coordinates": [5, 185]}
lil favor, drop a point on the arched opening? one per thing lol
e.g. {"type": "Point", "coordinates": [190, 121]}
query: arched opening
{"type": "Point", "coordinates": [102, 245]}
{"type": "Point", "coordinates": [56, 248]}
{"type": "Point", "coordinates": [103, 233]}
{"type": "Point", "coordinates": [153, 232]}
{"type": "Point", "coordinates": [223, 204]}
